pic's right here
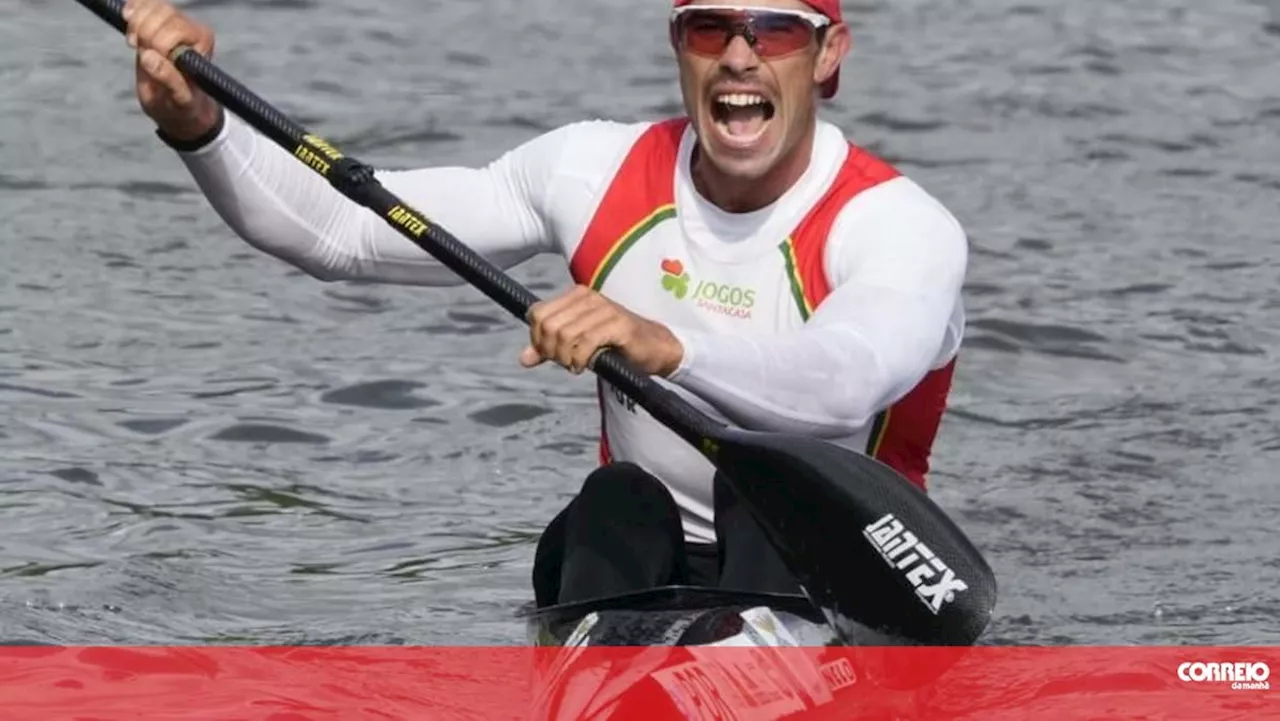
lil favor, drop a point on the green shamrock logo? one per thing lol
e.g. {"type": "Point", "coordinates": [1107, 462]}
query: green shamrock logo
{"type": "Point", "coordinates": [674, 279]}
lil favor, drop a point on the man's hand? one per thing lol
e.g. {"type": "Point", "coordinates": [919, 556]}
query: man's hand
{"type": "Point", "coordinates": [572, 328]}
{"type": "Point", "coordinates": [179, 108]}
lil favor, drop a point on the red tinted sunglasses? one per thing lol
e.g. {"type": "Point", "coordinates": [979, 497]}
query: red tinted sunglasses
{"type": "Point", "coordinates": [771, 32]}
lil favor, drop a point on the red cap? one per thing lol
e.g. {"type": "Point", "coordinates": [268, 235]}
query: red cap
{"type": "Point", "coordinates": [830, 8]}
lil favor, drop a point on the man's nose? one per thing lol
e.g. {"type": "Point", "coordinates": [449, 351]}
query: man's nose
{"type": "Point", "coordinates": [739, 56]}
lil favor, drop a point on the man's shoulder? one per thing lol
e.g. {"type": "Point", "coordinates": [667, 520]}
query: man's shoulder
{"type": "Point", "coordinates": [887, 192]}
{"type": "Point", "coordinates": [892, 210]}
{"type": "Point", "coordinates": [900, 212]}
{"type": "Point", "coordinates": [902, 196]}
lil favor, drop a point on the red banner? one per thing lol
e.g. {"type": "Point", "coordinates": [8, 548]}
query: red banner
{"type": "Point", "coordinates": [723, 683]}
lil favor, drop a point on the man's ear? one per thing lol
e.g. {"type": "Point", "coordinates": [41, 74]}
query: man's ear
{"type": "Point", "coordinates": [835, 46]}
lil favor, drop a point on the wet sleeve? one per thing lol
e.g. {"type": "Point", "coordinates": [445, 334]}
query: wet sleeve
{"type": "Point", "coordinates": [282, 208]}
{"type": "Point", "coordinates": [896, 261]}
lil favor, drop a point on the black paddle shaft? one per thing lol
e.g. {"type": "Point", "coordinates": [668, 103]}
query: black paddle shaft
{"type": "Point", "coordinates": [357, 182]}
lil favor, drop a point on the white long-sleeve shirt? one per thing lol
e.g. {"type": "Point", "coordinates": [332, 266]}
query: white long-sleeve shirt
{"type": "Point", "coordinates": [895, 260]}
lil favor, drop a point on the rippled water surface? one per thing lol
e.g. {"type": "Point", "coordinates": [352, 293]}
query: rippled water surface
{"type": "Point", "coordinates": [200, 443]}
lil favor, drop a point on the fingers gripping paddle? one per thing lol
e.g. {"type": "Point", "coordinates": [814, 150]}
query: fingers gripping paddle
{"type": "Point", "coordinates": [870, 549]}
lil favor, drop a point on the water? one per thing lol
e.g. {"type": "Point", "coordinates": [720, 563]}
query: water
{"type": "Point", "coordinates": [201, 444]}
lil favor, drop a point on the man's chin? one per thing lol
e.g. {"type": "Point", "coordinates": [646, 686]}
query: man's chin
{"type": "Point", "coordinates": [739, 166]}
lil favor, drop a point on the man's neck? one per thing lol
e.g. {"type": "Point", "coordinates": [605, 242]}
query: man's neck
{"type": "Point", "coordinates": [743, 195]}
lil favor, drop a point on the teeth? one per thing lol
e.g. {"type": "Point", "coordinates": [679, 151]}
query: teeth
{"type": "Point", "coordinates": [740, 100]}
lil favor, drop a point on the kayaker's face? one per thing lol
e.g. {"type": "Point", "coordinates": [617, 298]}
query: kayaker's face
{"type": "Point", "coordinates": [753, 105]}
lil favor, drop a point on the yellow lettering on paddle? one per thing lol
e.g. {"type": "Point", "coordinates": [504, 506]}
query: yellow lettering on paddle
{"type": "Point", "coordinates": [315, 162]}
{"type": "Point", "coordinates": [323, 146]}
{"type": "Point", "coordinates": [408, 220]}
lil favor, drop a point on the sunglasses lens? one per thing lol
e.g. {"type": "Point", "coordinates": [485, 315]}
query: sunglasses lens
{"type": "Point", "coordinates": [708, 32]}
{"type": "Point", "coordinates": [781, 34]}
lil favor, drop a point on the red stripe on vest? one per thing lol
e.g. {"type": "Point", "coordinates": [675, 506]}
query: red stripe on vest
{"type": "Point", "coordinates": [906, 437]}
{"type": "Point", "coordinates": [860, 171]}
{"type": "Point", "coordinates": [902, 437]}
{"type": "Point", "coordinates": [644, 182]}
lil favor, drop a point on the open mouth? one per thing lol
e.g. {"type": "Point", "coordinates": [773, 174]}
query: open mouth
{"type": "Point", "coordinates": [742, 116]}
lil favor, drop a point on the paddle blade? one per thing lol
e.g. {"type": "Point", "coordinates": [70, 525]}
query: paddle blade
{"type": "Point", "coordinates": [884, 562]}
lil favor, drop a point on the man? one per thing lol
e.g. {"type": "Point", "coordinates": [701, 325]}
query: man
{"type": "Point", "coordinates": [747, 256]}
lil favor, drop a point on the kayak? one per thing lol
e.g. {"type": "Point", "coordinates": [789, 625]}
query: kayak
{"type": "Point", "coordinates": [686, 652]}
{"type": "Point", "coordinates": [682, 616]}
